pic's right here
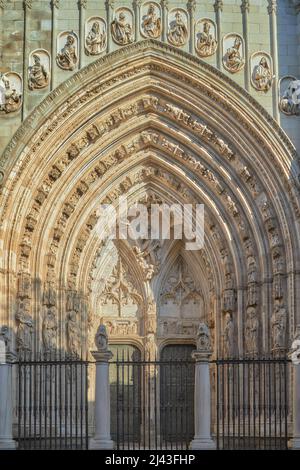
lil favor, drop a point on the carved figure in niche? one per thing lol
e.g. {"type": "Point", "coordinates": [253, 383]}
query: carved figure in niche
{"type": "Point", "coordinates": [252, 294]}
{"type": "Point", "coordinates": [262, 75]}
{"type": "Point", "coordinates": [290, 100]}
{"type": "Point", "coordinates": [206, 42]}
{"type": "Point", "coordinates": [67, 57]}
{"type": "Point", "coordinates": [150, 347]}
{"type": "Point", "coordinates": [49, 329]}
{"type": "Point", "coordinates": [10, 98]}
{"type": "Point", "coordinates": [96, 39]}
{"type": "Point", "coordinates": [278, 325]}
{"type": "Point", "coordinates": [228, 336]}
{"type": "Point", "coordinates": [251, 331]}
{"type": "Point", "coordinates": [151, 24]}
{"type": "Point", "coordinates": [233, 59]}
{"type": "Point", "coordinates": [178, 33]}
{"type": "Point", "coordinates": [73, 334]}
{"type": "Point", "coordinates": [203, 338]}
{"type": "Point", "coordinates": [38, 75]}
{"type": "Point", "coordinates": [277, 286]}
{"type": "Point", "coordinates": [121, 30]}
{"type": "Point", "coordinates": [101, 339]}
{"type": "Point", "coordinates": [25, 327]}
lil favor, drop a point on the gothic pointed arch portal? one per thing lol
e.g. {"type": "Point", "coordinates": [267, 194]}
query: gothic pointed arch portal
{"type": "Point", "coordinates": [152, 123]}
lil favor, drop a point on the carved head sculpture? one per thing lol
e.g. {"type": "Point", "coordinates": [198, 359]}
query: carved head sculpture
{"type": "Point", "coordinates": [122, 16]}
{"type": "Point", "coordinates": [70, 40]}
{"type": "Point", "coordinates": [101, 339]}
{"type": "Point", "coordinates": [36, 59]}
{"type": "Point", "coordinates": [237, 42]}
{"type": "Point", "coordinates": [203, 338]}
{"type": "Point", "coordinates": [206, 27]}
{"type": "Point", "coordinates": [264, 63]}
{"type": "Point", "coordinates": [96, 27]}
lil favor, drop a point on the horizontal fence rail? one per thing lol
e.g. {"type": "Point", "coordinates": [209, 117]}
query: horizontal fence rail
{"type": "Point", "coordinates": [251, 403]}
{"type": "Point", "coordinates": [52, 404]}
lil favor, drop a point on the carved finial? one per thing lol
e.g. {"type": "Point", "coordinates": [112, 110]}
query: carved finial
{"type": "Point", "coordinates": [218, 5]}
{"type": "Point", "coordinates": [101, 339]}
{"type": "Point", "coordinates": [27, 4]}
{"type": "Point", "coordinates": [272, 7]}
{"type": "Point", "coordinates": [245, 6]}
{"type": "Point", "coordinates": [203, 338]}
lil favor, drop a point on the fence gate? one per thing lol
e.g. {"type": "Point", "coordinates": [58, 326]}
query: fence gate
{"type": "Point", "coordinates": [252, 403]}
{"type": "Point", "coordinates": [52, 404]}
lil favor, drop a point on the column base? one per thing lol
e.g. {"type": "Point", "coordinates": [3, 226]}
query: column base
{"type": "Point", "coordinates": [7, 444]}
{"type": "Point", "coordinates": [295, 443]}
{"type": "Point", "coordinates": [101, 444]}
{"type": "Point", "coordinates": [202, 443]}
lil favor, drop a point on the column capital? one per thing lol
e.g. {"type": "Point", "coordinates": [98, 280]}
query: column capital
{"type": "Point", "coordinates": [55, 3]}
{"type": "Point", "coordinates": [201, 356]}
{"type": "Point", "coordinates": [272, 7]}
{"type": "Point", "coordinates": [27, 4]}
{"type": "Point", "coordinates": [191, 6]}
{"type": "Point", "coordinates": [110, 4]}
{"type": "Point", "coordinates": [245, 6]}
{"type": "Point", "coordinates": [165, 3]}
{"type": "Point", "coordinates": [82, 3]}
{"type": "Point", "coordinates": [2, 4]}
{"type": "Point", "coordinates": [218, 5]}
{"type": "Point", "coordinates": [104, 356]}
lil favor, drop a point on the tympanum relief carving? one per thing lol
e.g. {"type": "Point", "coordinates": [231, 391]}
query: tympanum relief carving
{"type": "Point", "coordinates": [206, 42]}
{"type": "Point", "coordinates": [151, 20]}
{"type": "Point", "coordinates": [178, 27]}
{"type": "Point", "coordinates": [95, 35]}
{"type": "Point", "coordinates": [122, 27]}
{"type": "Point", "coordinates": [67, 50]}
{"type": "Point", "coordinates": [233, 52]}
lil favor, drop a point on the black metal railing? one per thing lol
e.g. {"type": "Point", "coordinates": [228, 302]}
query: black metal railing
{"type": "Point", "coordinates": [252, 407]}
{"type": "Point", "coordinates": [152, 403]}
{"type": "Point", "coordinates": [52, 404]}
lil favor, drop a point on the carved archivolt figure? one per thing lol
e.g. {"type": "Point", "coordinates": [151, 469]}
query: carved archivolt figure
{"type": "Point", "coordinates": [151, 24]}
{"type": "Point", "coordinates": [228, 336]}
{"type": "Point", "coordinates": [206, 42]}
{"type": "Point", "coordinates": [50, 329]}
{"type": "Point", "coordinates": [96, 39]}
{"type": "Point", "coordinates": [38, 75]}
{"type": "Point", "coordinates": [121, 30]}
{"type": "Point", "coordinates": [73, 334]}
{"type": "Point", "coordinates": [278, 325]}
{"type": "Point", "coordinates": [233, 60]}
{"type": "Point", "coordinates": [251, 331]}
{"type": "Point", "coordinates": [24, 329]}
{"type": "Point", "coordinates": [10, 98]}
{"type": "Point", "coordinates": [67, 58]}
{"type": "Point", "coordinates": [178, 33]}
{"type": "Point", "coordinates": [262, 75]}
{"type": "Point", "coordinates": [290, 100]}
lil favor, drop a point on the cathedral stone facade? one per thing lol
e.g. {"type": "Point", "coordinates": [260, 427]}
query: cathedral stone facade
{"type": "Point", "coordinates": [162, 102]}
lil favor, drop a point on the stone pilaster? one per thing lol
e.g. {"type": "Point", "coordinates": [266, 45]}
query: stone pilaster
{"type": "Point", "coordinates": [191, 9]}
{"type": "Point", "coordinates": [54, 14]}
{"type": "Point", "coordinates": [137, 20]}
{"type": "Point", "coordinates": [245, 7]}
{"type": "Point", "coordinates": [82, 4]}
{"type": "Point", "coordinates": [218, 6]}
{"type": "Point", "coordinates": [272, 10]}
{"type": "Point", "coordinates": [110, 5]}
{"type": "Point", "coordinates": [165, 9]}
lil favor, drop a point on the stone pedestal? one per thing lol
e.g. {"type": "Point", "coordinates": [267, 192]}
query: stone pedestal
{"type": "Point", "coordinates": [202, 403]}
{"type": "Point", "coordinates": [6, 438]}
{"type": "Point", "coordinates": [295, 441]}
{"type": "Point", "coordinates": [102, 439]}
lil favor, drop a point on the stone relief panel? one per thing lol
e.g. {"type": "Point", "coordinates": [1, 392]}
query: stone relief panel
{"type": "Point", "coordinates": [206, 43]}
{"type": "Point", "coordinates": [11, 86]}
{"type": "Point", "coordinates": [178, 27]}
{"type": "Point", "coordinates": [151, 26]}
{"type": "Point", "coordinates": [95, 35]}
{"type": "Point", "coordinates": [67, 50]}
{"type": "Point", "coordinates": [289, 96]}
{"type": "Point", "coordinates": [233, 52]}
{"type": "Point", "coordinates": [122, 27]}
{"type": "Point", "coordinates": [261, 71]}
{"type": "Point", "coordinates": [39, 69]}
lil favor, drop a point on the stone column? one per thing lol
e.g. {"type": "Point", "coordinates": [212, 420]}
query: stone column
{"type": "Point", "coordinates": [54, 12]}
{"type": "Point", "coordinates": [82, 7]}
{"type": "Point", "coordinates": [102, 439]}
{"type": "Point", "coordinates": [218, 6]}
{"type": "Point", "coordinates": [272, 10]}
{"type": "Point", "coordinates": [191, 9]}
{"type": "Point", "coordinates": [110, 5]}
{"type": "Point", "coordinates": [245, 10]}
{"type": "Point", "coordinates": [164, 7]}
{"type": "Point", "coordinates": [202, 402]}
{"type": "Point", "coordinates": [137, 19]}
{"type": "Point", "coordinates": [27, 5]}
{"type": "Point", "coordinates": [295, 356]}
{"type": "Point", "coordinates": [6, 360]}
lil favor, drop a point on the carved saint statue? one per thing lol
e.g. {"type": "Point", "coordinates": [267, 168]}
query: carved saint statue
{"type": "Point", "coordinates": [203, 338]}
{"type": "Point", "coordinates": [50, 329]}
{"type": "Point", "coordinates": [38, 75]}
{"type": "Point", "coordinates": [73, 334]}
{"type": "Point", "coordinates": [251, 331]}
{"type": "Point", "coordinates": [150, 347]}
{"type": "Point", "coordinates": [101, 339]}
{"type": "Point", "coordinates": [228, 336]}
{"type": "Point", "coordinates": [151, 24]}
{"type": "Point", "coordinates": [67, 57]}
{"type": "Point", "coordinates": [278, 325]}
{"type": "Point", "coordinates": [96, 39]}
{"type": "Point", "coordinates": [25, 328]}
{"type": "Point", "coordinates": [10, 99]}
{"type": "Point", "coordinates": [290, 100]}
{"type": "Point", "coordinates": [233, 59]}
{"type": "Point", "coordinates": [121, 30]}
{"type": "Point", "coordinates": [262, 76]}
{"type": "Point", "coordinates": [178, 33]}
{"type": "Point", "coordinates": [206, 43]}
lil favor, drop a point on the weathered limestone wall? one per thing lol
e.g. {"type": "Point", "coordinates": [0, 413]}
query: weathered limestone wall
{"type": "Point", "coordinates": [263, 25]}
